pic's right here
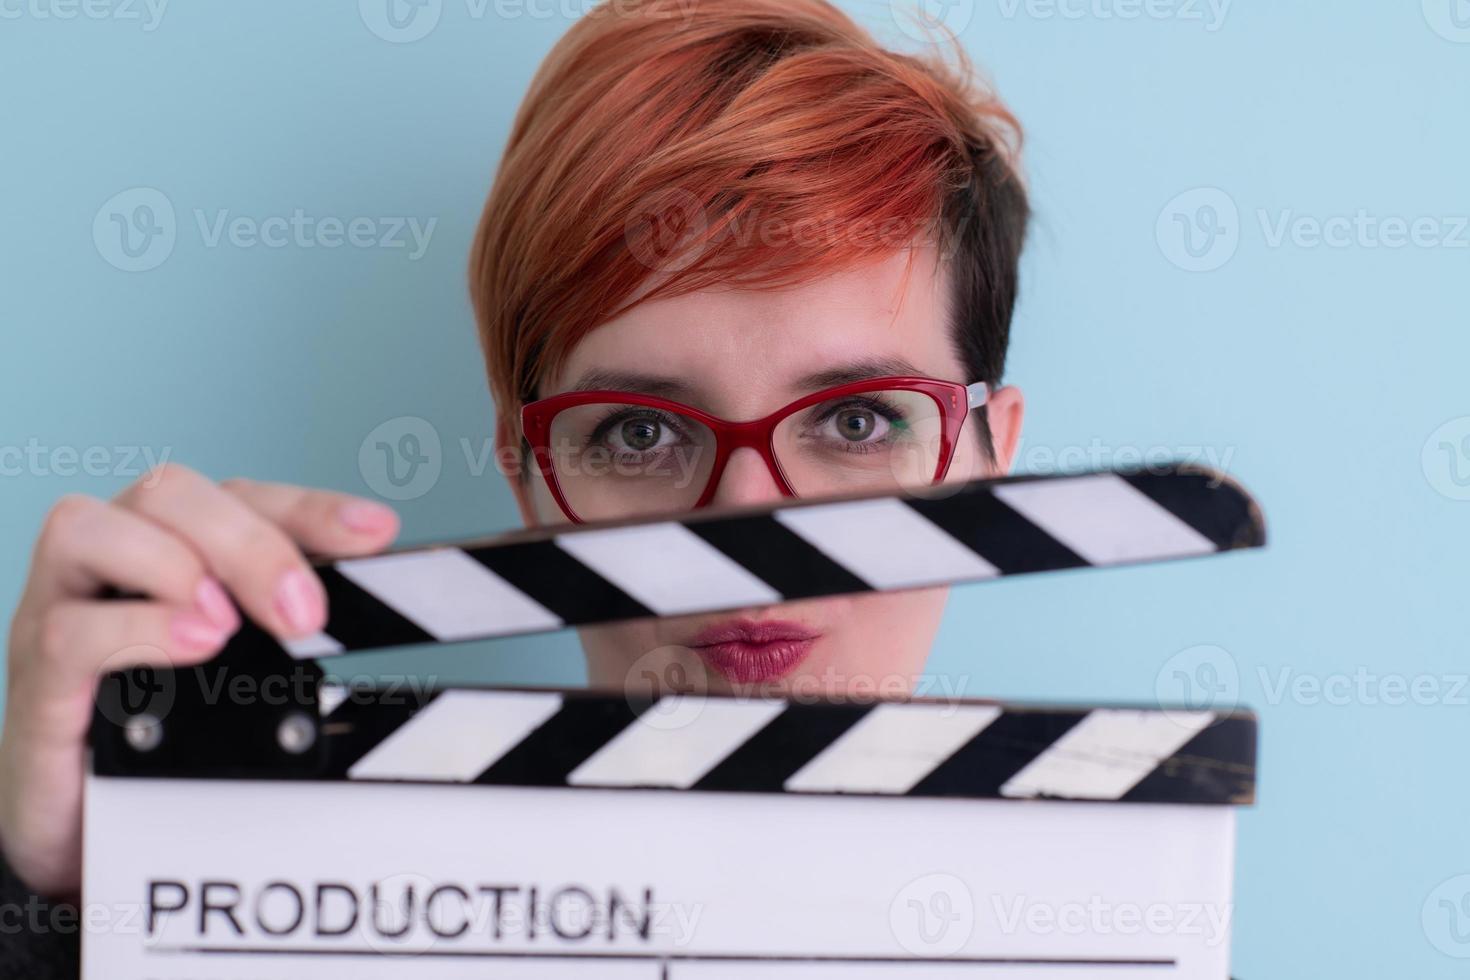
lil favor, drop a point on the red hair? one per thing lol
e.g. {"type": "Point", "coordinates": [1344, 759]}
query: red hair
{"type": "Point", "coordinates": [669, 145]}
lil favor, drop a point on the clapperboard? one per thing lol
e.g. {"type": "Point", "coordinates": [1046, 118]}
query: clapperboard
{"type": "Point", "coordinates": [493, 833]}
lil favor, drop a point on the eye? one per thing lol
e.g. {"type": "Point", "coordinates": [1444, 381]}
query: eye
{"type": "Point", "coordinates": [857, 424]}
{"type": "Point", "coordinates": [640, 434]}
{"type": "Point", "coordinates": [637, 433]}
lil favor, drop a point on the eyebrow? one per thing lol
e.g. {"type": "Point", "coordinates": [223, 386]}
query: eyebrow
{"type": "Point", "coordinates": [859, 370]}
{"type": "Point", "coordinates": [634, 382]}
{"type": "Point", "coordinates": [666, 386]}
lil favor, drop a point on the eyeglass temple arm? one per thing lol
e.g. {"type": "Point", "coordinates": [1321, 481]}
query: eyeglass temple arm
{"type": "Point", "coordinates": [979, 393]}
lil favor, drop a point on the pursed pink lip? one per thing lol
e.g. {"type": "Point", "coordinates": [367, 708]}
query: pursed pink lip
{"type": "Point", "coordinates": [746, 651]}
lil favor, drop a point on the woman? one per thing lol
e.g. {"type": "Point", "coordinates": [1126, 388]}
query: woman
{"type": "Point", "coordinates": [706, 214]}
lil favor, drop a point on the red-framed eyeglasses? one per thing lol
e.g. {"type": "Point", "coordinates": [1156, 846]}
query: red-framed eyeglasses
{"type": "Point", "coordinates": [612, 454]}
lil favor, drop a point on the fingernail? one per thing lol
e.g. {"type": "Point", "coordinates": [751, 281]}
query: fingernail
{"type": "Point", "coordinates": [366, 516]}
{"type": "Point", "coordinates": [210, 596]}
{"type": "Point", "coordinates": [197, 633]}
{"type": "Point", "coordinates": [299, 601]}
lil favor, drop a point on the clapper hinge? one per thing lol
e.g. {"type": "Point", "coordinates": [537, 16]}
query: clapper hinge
{"type": "Point", "coordinates": [251, 711]}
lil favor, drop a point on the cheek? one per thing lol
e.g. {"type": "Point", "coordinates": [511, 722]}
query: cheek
{"type": "Point", "coordinates": [636, 658]}
{"type": "Point", "coordinates": [882, 638]}
{"type": "Point", "coordinates": [968, 462]}
{"type": "Point", "coordinates": [545, 505]}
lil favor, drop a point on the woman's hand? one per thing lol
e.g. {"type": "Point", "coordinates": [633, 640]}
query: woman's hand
{"type": "Point", "coordinates": [184, 545]}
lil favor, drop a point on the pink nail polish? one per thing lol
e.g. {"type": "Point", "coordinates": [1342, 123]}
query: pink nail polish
{"type": "Point", "coordinates": [300, 603]}
{"type": "Point", "coordinates": [366, 517]}
{"type": "Point", "coordinates": [194, 632]}
{"type": "Point", "coordinates": [212, 600]}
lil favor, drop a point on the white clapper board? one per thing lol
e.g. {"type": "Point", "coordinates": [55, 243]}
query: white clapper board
{"type": "Point", "coordinates": [486, 833]}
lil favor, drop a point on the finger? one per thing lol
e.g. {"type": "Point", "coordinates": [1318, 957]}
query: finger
{"type": "Point", "coordinates": [81, 638]}
{"type": "Point", "coordinates": [255, 559]}
{"type": "Point", "coordinates": [87, 544]}
{"type": "Point", "coordinates": [335, 525]}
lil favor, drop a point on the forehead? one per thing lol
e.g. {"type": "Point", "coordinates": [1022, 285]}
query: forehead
{"type": "Point", "coordinates": [738, 346]}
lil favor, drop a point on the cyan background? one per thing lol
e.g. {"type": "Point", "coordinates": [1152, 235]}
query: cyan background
{"type": "Point", "coordinates": [1321, 374]}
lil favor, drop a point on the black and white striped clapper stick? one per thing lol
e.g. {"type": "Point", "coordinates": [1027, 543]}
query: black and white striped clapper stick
{"type": "Point", "coordinates": [577, 739]}
{"type": "Point", "coordinates": [956, 748]}
{"type": "Point", "coordinates": [704, 562]}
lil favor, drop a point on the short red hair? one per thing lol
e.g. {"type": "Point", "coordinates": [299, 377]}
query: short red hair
{"type": "Point", "coordinates": [774, 140]}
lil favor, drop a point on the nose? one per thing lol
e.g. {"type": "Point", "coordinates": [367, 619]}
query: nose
{"type": "Point", "coordinates": [746, 481]}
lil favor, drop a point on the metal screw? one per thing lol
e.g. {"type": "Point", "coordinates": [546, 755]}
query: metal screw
{"type": "Point", "coordinates": [296, 733]}
{"type": "Point", "coordinates": [143, 732]}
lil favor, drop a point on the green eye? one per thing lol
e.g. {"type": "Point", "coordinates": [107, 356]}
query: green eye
{"type": "Point", "coordinates": [640, 434]}
{"type": "Point", "coordinates": [856, 425]}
